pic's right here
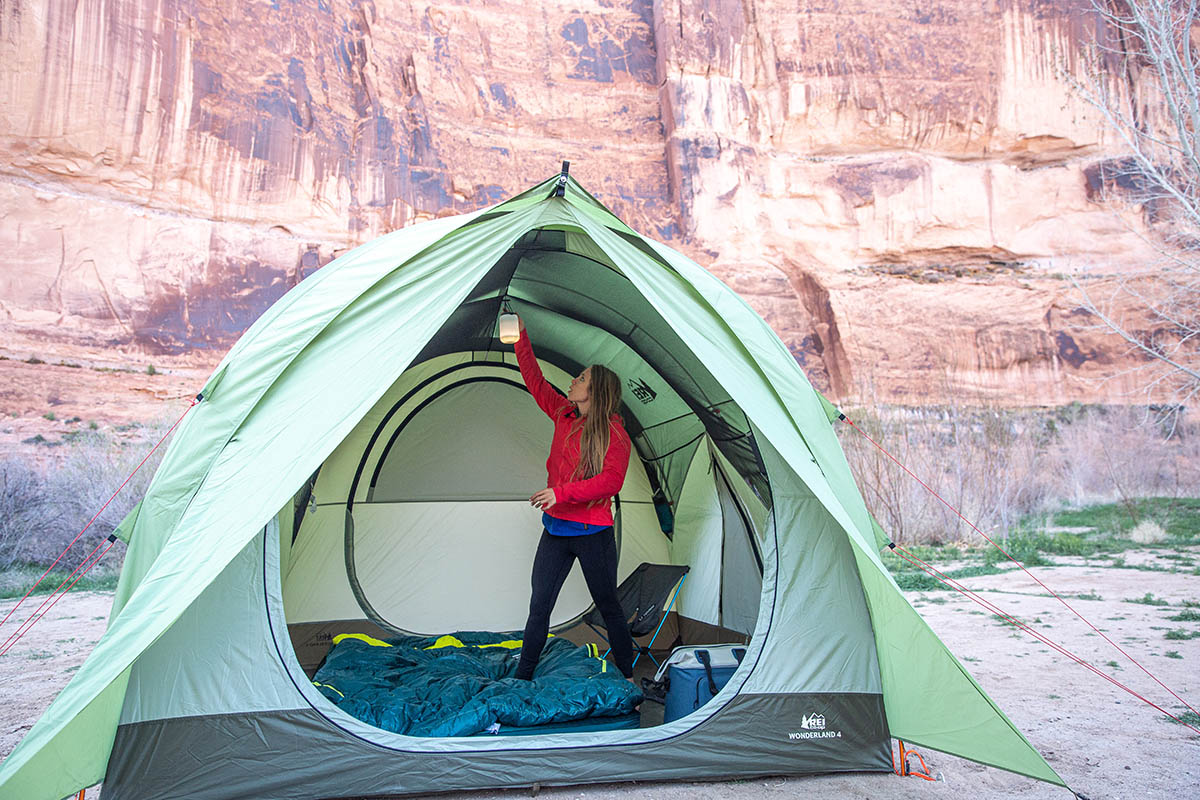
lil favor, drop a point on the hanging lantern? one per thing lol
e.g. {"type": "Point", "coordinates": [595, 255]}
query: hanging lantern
{"type": "Point", "coordinates": [510, 328]}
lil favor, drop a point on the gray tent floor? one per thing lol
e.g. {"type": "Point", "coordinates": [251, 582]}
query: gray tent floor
{"type": "Point", "coordinates": [652, 712]}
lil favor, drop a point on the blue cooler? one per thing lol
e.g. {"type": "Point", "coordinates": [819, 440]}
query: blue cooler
{"type": "Point", "coordinates": [694, 674]}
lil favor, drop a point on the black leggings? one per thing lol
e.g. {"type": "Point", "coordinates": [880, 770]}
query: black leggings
{"type": "Point", "coordinates": [597, 554]}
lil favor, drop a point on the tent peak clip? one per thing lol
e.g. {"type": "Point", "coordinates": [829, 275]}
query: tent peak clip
{"type": "Point", "coordinates": [560, 188]}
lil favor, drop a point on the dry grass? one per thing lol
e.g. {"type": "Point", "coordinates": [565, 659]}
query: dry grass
{"type": "Point", "coordinates": [999, 466]}
{"type": "Point", "coordinates": [45, 505]}
{"type": "Point", "coordinates": [1148, 532]}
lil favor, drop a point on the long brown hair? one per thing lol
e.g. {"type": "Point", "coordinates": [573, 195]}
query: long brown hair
{"type": "Point", "coordinates": [605, 394]}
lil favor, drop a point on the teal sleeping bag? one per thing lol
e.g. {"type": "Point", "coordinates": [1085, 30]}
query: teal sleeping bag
{"type": "Point", "coordinates": [463, 684]}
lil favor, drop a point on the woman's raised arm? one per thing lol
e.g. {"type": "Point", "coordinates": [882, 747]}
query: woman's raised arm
{"type": "Point", "coordinates": [548, 399]}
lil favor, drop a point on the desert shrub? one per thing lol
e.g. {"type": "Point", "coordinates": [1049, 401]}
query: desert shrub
{"type": "Point", "coordinates": [25, 509]}
{"type": "Point", "coordinates": [1181, 518]}
{"type": "Point", "coordinates": [917, 582]}
{"type": "Point", "coordinates": [1066, 544]}
{"type": "Point", "coordinates": [975, 571]}
{"type": "Point", "coordinates": [1022, 548]}
{"type": "Point", "coordinates": [1148, 532]}
{"type": "Point", "coordinates": [1002, 467]}
{"type": "Point", "coordinates": [978, 463]}
{"type": "Point", "coordinates": [44, 507]}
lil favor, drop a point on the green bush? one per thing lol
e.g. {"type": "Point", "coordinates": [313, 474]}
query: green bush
{"type": "Point", "coordinates": [1067, 544]}
{"type": "Point", "coordinates": [1180, 634]}
{"type": "Point", "coordinates": [918, 582]}
{"type": "Point", "coordinates": [975, 572]}
{"type": "Point", "coordinates": [1186, 718]}
{"type": "Point", "coordinates": [1023, 548]}
{"type": "Point", "coordinates": [1179, 516]}
{"type": "Point", "coordinates": [913, 580]}
{"type": "Point", "coordinates": [1148, 599]}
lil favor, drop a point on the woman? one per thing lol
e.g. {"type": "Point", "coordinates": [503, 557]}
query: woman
{"type": "Point", "coordinates": [586, 467]}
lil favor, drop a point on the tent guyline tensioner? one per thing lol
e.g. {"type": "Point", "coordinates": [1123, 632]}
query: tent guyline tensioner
{"type": "Point", "coordinates": [904, 768]}
{"type": "Point", "coordinates": [111, 540]}
{"type": "Point", "coordinates": [996, 610]}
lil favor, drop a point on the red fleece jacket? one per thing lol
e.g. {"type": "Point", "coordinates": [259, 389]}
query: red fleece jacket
{"type": "Point", "coordinates": [579, 500]}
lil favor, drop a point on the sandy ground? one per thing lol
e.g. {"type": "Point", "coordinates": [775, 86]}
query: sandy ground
{"type": "Point", "coordinates": [78, 387]}
{"type": "Point", "coordinates": [1105, 743]}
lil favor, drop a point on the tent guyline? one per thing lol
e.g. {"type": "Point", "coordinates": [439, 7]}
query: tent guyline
{"type": "Point", "coordinates": [16, 637]}
{"type": "Point", "coordinates": [38, 613]}
{"type": "Point", "coordinates": [24, 627]}
{"type": "Point", "coordinates": [1024, 569]}
{"type": "Point", "coordinates": [992, 608]}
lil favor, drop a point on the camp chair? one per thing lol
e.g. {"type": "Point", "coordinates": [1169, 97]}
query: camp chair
{"type": "Point", "coordinates": [643, 597]}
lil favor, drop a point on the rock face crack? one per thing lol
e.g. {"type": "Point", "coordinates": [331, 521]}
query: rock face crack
{"type": "Point", "coordinates": [108, 300]}
{"type": "Point", "coordinates": [54, 293]}
{"type": "Point", "coordinates": [825, 338]}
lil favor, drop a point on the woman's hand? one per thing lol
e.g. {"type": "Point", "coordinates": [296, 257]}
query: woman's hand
{"type": "Point", "coordinates": [520, 322]}
{"type": "Point", "coordinates": [543, 499]}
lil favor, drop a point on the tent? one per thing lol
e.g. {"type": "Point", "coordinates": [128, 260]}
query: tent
{"type": "Point", "coordinates": [363, 456]}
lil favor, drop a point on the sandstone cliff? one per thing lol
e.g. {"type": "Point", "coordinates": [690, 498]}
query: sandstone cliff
{"type": "Point", "coordinates": [899, 189]}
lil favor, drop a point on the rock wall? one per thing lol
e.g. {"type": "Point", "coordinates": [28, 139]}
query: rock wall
{"type": "Point", "coordinates": [898, 189]}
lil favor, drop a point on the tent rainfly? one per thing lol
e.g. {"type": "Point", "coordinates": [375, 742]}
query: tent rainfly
{"type": "Point", "coordinates": [363, 456]}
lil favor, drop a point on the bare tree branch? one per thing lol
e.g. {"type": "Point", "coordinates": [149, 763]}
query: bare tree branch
{"type": "Point", "coordinates": [1137, 341]}
{"type": "Point", "coordinates": [1141, 73]}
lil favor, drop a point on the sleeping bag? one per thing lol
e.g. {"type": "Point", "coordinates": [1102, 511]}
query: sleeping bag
{"type": "Point", "coordinates": [462, 684]}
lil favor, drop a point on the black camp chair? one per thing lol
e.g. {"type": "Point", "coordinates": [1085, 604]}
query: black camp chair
{"type": "Point", "coordinates": [643, 597]}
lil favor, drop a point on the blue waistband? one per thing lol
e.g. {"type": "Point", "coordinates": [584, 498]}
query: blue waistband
{"type": "Point", "coordinates": [566, 527]}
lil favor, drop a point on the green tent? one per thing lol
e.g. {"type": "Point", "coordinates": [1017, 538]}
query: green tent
{"type": "Point", "coordinates": [361, 460]}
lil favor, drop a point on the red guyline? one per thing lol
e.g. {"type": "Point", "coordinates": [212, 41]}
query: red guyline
{"type": "Point", "coordinates": [62, 595]}
{"type": "Point", "coordinates": [13, 610]}
{"type": "Point", "coordinates": [992, 607]}
{"type": "Point", "coordinates": [29, 622]}
{"type": "Point", "coordinates": [1055, 594]}
{"type": "Point", "coordinates": [912, 558]}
